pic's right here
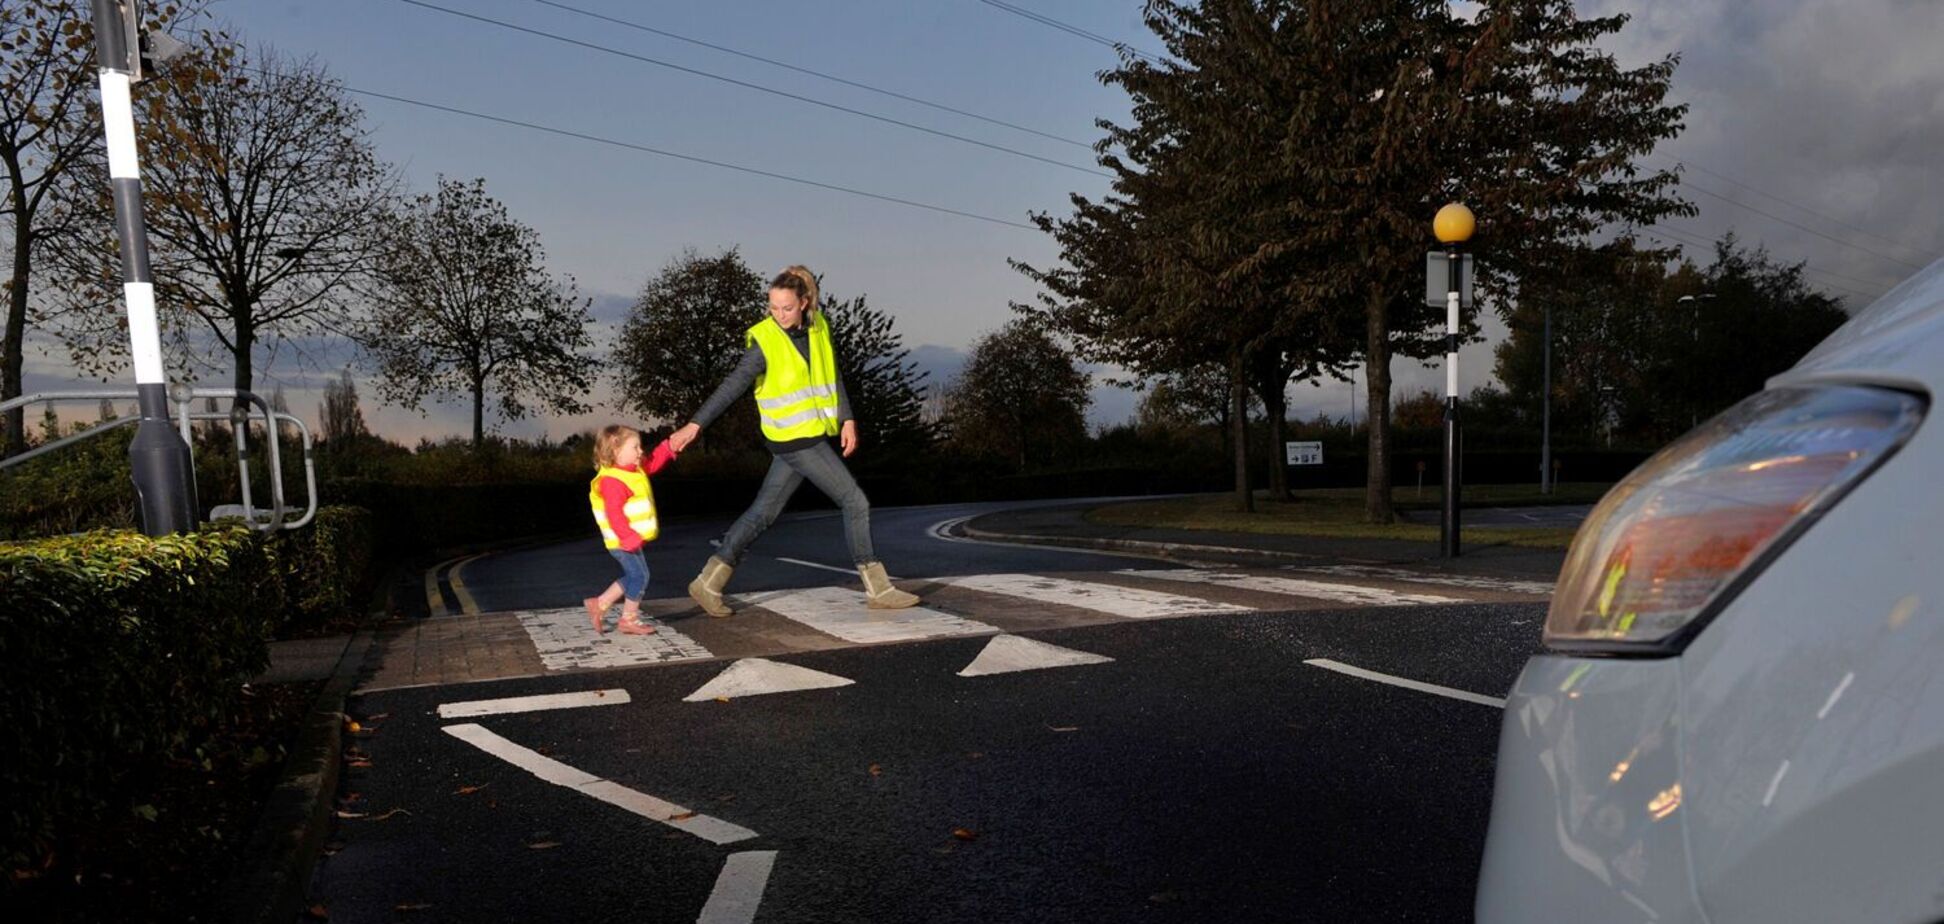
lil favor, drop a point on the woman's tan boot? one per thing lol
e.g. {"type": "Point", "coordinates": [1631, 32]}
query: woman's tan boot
{"type": "Point", "coordinates": [878, 589]}
{"type": "Point", "coordinates": [706, 589]}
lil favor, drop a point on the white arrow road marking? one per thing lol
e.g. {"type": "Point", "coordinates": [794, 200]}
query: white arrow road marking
{"type": "Point", "coordinates": [532, 703]}
{"type": "Point", "coordinates": [739, 888]}
{"type": "Point", "coordinates": [707, 827]}
{"type": "Point", "coordinates": [756, 676]}
{"type": "Point", "coordinates": [1406, 683]}
{"type": "Point", "coordinates": [1130, 602]}
{"type": "Point", "coordinates": [1296, 587]}
{"type": "Point", "coordinates": [1008, 653]}
{"type": "Point", "coordinates": [846, 615]}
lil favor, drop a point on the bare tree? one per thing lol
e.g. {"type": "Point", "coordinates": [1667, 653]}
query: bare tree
{"type": "Point", "coordinates": [465, 303]}
{"type": "Point", "coordinates": [264, 202]}
{"type": "Point", "coordinates": [340, 419]}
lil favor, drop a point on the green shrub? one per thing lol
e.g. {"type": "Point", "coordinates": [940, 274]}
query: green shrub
{"type": "Point", "coordinates": [327, 570]}
{"type": "Point", "coordinates": [119, 649]}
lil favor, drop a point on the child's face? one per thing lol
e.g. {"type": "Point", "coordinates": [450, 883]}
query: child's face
{"type": "Point", "coordinates": [629, 454]}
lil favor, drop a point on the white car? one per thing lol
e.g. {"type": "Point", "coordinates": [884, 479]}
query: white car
{"type": "Point", "coordinates": [1740, 717]}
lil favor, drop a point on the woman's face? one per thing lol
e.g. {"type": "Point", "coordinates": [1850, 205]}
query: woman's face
{"type": "Point", "coordinates": [786, 308]}
{"type": "Point", "coordinates": [629, 454]}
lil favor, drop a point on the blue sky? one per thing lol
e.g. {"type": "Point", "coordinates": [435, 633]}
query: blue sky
{"type": "Point", "coordinates": [1817, 112]}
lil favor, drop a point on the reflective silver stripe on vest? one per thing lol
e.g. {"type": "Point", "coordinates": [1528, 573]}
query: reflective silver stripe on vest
{"type": "Point", "coordinates": [800, 417]}
{"type": "Point", "coordinates": [801, 394]}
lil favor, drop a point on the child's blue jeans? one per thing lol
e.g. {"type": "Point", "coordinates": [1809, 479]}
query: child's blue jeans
{"type": "Point", "coordinates": [634, 573]}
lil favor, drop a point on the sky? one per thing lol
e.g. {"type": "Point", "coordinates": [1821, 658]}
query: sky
{"type": "Point", "coordinates": [1814, 131]}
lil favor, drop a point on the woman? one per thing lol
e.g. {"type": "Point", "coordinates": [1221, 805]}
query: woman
{"type": "Point", "coordinates": [802, 404]}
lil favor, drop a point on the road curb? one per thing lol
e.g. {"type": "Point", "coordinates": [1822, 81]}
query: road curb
{"type": "Point", "coordinates": [289, 835]}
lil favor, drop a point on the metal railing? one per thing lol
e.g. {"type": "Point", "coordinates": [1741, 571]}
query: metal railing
{"type": "Point", "coordinates": [268, 520]}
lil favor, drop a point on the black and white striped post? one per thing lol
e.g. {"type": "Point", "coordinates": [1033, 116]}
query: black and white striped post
{"type": "Point", "coordinates": [1453, 226]}
{"type": "Point", "coordinates": [159, 459]}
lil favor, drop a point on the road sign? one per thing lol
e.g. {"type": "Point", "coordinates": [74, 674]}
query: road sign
{"type": "Point", "coordinates": [1310, 453]}
{"type": "Point", "coordinates": [1437, 279]}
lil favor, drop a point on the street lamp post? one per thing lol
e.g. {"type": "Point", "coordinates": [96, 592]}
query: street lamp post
{"type": "Point", "coordinates": [158, 458]}
{"type": "Point", "coordinates": [1453, 227]}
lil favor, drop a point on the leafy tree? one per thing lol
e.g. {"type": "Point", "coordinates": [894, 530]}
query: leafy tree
{"type": "Point", "coordinates": [1020, 397]}
{"type": "Point", "coordinates": [886, 390]}
{"type": "Point", "coordinates": [464, 304]}
{"type": "Point", "coordinates": [683, 336]}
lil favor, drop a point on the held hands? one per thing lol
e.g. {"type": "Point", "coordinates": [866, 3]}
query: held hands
{"type": "Point", "coordinates": [848, 438]}
{"type": "Point", "coordinates": [680, 439]}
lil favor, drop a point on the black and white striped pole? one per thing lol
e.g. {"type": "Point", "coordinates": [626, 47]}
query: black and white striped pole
{"type": "Point", "coordinates": [1453, 226]}
{"type": "Point", "coordinates": [159, 460]}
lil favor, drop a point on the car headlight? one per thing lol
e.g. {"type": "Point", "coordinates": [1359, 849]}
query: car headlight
{"type": "Point", "coordinates": [1677, 539]}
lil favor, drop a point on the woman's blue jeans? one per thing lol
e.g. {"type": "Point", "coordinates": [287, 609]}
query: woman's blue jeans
{"type": "Point", "coordinates": [821, 466]}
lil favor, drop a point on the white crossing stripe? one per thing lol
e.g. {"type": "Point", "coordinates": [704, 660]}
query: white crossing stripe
{"type": "Point", "coordinates": [846, 615]}
{"type": "Point", "coordinates": [1296, 587]}
{"type": "Point", "coordinates": [1469, 581]}
{"type": "Point", "coordinates": [1406, 683]}
{"type": "Point", "coordinates": [756, 676]}
{"type": "Point", "coordinates": [1008, 653]}
{"type": "Point", "coordinates": [565, 641]}
{"type": "Point", "coordinates": [1131, 602]}
{"type": "Point", "coordinates": [480, 707]}
{"type": "Point", "coordinates": [739, 888]}
{"type": "Point", "coordinates": [706, 827]}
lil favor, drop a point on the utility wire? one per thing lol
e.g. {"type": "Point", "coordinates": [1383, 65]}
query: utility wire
{"type": "Point", "coordinates": [1070, 29]}
{"type": "Point", "coordinates": [804, 70]}
{"type": "Point", "coordinates": [597, 139]}
{"type": "Point", "coordinates": [752, 86]}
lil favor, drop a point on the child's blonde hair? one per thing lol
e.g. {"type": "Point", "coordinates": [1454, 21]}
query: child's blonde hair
{"type": "Point", "coordinates": [608, 442]}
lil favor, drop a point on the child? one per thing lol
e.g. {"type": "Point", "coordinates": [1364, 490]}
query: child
{"type": "Point", "coordinates": [624, 508]}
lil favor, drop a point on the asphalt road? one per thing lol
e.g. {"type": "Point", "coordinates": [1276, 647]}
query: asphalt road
{"type": "Point", "coordinates": [1197, 745]}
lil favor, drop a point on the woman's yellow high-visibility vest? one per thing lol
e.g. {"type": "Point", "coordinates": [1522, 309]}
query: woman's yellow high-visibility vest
{"type": "Point", "coordinates": [795, 399]}
{"type": "Point", "coordinates": [640, 508]}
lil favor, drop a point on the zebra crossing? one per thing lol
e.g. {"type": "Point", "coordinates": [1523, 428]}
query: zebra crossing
{"type": "Point", "coordinates": [785, 621]}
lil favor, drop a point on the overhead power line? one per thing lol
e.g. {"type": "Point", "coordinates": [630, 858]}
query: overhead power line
{"type": "Point", "coordinates": [597, 139]}
{"type": "Point", "coordinates": [1799, 226]}
{"type": "Point", "coordinates": [814, 73]}
{"type": "Point", "coordinates": [1683, 242]}
{"type": "Point", "coordinates": [752, 86]}
{"type": "Point", "coordinates": [1797, 206]}
{"type": "Point", "coordinates": [1070, 29]}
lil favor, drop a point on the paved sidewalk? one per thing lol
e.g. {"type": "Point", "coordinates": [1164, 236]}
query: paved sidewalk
{"type": "Point", "coordinates": [1069, 526]}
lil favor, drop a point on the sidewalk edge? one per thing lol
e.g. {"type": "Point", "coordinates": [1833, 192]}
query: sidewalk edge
{"type": "Point", "coordinates": [289, 836]}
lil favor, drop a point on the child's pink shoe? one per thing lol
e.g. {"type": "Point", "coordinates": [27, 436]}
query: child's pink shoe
{"type": "Point", "coordinates": [630, 626]}
{"type": "Point", "coordinates": [595, 614]}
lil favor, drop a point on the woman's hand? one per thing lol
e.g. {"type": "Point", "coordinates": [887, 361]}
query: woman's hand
{"type": "Point", "coordinates": [848, 438]}
{"type": "Point", "coordinates": [680, 439]}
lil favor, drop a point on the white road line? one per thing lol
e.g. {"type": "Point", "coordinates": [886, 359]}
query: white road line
{"type": "Point", "coordinates": [757, 676]}
{"type": "Point", "coordinates": [564, 641]}
{"type": "Point", "coordinates": [812, 564]}
{"type": "Point", "coordinates": [1406, 683]}
{"type": "Point", "coordinates": [706, 827]}
{"type": "Point", "coordinates": [739, 889]}
{"type": "Point", "coordinates": [1008, 654]}
{"type": "Point", "coordinates": [480, 707]}
{"type": "Point", "coordinates": [1473, 582]}
{"type": "Point", "coordinates": [941, 531]}
{"type": "Point", "coordinates": [1131, 602]}
{"type": "Point", "coordinates": [1296, 587]}
{"type": "Point", "coordinates": [844, 614]}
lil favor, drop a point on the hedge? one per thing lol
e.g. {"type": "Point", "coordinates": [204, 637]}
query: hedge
{"type": "Point", "coordinates": [119, 648]}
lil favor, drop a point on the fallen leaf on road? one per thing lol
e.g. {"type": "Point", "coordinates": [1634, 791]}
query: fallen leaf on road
{"type": "Point", "coordinates": [722, 699]}
{"type": "Point", "coordinates": [352, 726]}
{"type": "Point", "coordinates": [948, 848]}
{"type": "Point", "coordinates": [333, 847]}
{"type": "Point", "coordinates": [544, 845]}
{"type": "Point", "coordinates": [1062, 728]}
{"type": "Point", "coordinates": [380, 717]}
{"type": "Point", "coordinates": [411, 906]}
{"type": "Point", "coordinates": [975, 755]}
{"type": "Point", "coordinates": [965, 835]}
{"type": "Point", "coordinates": [682, 817]}
{"type": "Point", "coordinates": [359, 764]}
{"type": "Point", "coordinates": [396, 811]}
{"type": "Point", "coordinates": [319, 912]}
{"type": "Point", "coordinates": [344, 814]}
{"type": "Point", "coordinates": [876, 770]}
{"type": "Point", "coordinates": [469, 790]}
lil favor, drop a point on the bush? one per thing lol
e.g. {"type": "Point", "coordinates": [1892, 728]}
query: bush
{"type": "Point", "coordinates": [327, 570]}
{"type": "Point", "coordinates": [119, 649]}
